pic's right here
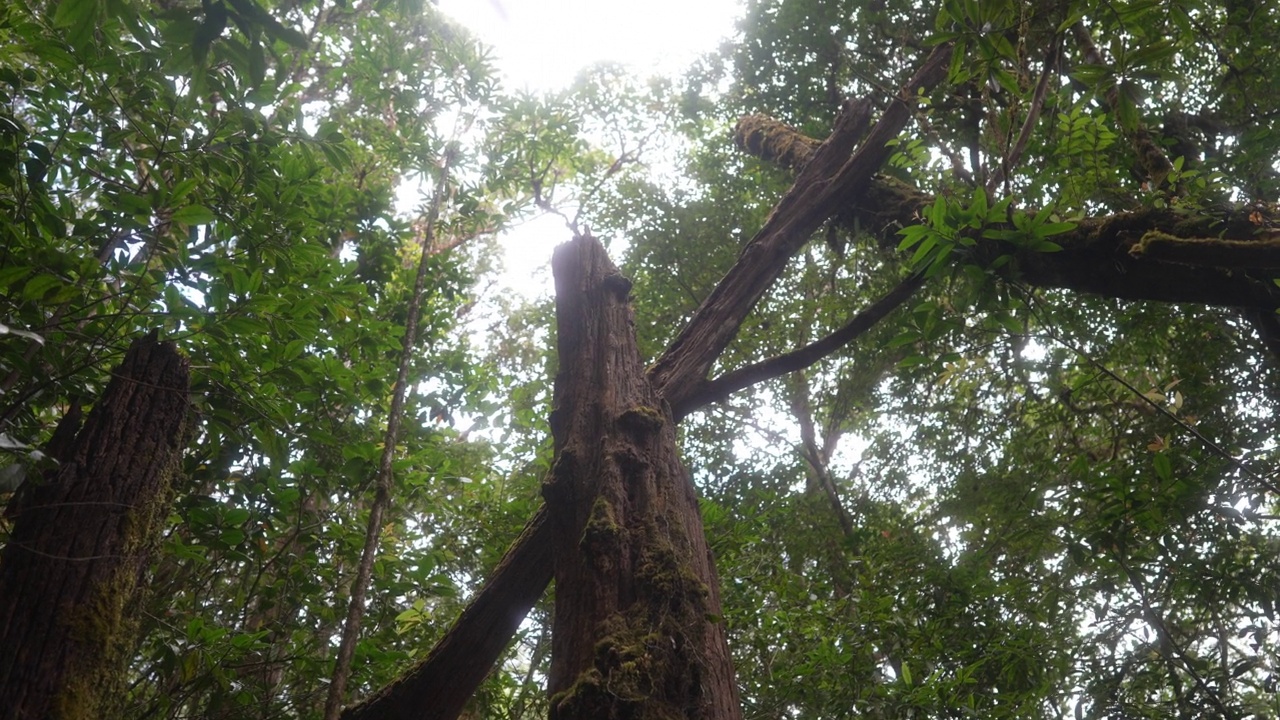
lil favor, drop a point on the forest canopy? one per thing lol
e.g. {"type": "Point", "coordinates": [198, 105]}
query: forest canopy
{"type": "Point", "coordinates": [936, 376]}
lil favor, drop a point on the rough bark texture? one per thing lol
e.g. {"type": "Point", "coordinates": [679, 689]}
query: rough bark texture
{"type": "Point", "coordinates": [635, 633]}
{"type": "Point", "coordinates": [83, 535]}
{"type": "Point", "coordinates": [438, 687]}
{"type": "Point", "coordinates": [635, 581]}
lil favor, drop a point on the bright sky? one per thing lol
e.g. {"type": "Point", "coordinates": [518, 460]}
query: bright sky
{"type": "Point", "coordinates": [541, 45]}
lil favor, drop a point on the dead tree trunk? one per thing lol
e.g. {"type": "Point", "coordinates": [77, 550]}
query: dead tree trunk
{"type": "Point", "coordinates": [636, 631]}
{"type": "Point", "coordinates": [71, 573]}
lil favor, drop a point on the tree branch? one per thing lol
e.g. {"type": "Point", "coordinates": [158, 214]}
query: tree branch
{"type": "Point", "coordinates": [438, 687]}
{"type": "Point", "coordinates": [1217, 262]}
{"type": "Point", "coordinates": [830, 180]}
{"type": "Point", "coordinates": [721, 388]}
{"type": "Point", "coordinates": [1010, 161]}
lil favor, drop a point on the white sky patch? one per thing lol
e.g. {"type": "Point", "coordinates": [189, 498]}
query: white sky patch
{"type": "Point", "coordinates": [543, 44]}
{"type": "Point", "coordinates": [527, 255]}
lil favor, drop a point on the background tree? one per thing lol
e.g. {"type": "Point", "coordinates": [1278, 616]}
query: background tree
{"type": "Point", "coordinates": [228, 173]}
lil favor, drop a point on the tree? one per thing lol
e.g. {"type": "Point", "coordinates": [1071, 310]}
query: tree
{"type": "Point", "coordinates": [73, 569]}
{"type": "Point", "coordinates": [227, 173]}
{"type": "Point", "coordinates": [1084, 536]}
{"type": "Point", "coordinates": [1032, 442]}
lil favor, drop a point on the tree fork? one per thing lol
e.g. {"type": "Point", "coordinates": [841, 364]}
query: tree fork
{"type": "Point", "coordinates": [671, 382]}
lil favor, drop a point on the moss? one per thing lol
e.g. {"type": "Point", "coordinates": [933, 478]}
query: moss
{"type": "Point", "coordinates": [602, 532]}
{"type": "Point", "coordinates": [647, 663]}
{"type": "Point", "coordinates": [774, 142]}
{"type": "Point", "coordinates": [105, 626]}
{"type": "Point", "coordinates": [642, 419]}
{"type": "Point", "coordinates": [1214, 252]}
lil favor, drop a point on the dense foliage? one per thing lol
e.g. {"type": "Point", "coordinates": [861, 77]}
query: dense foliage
{"type": "Point", "coordinates": [1007, 500]}
{"type": "Point", "coordinates": [230, 175]}
{"type": "Point", "coordinates": [1045, 503]}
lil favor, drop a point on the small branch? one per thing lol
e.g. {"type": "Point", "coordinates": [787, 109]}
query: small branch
{"type": "Point", "coordinates": [1215, 448]}
{"type": "Point", "coordinates": [1154, 617]}
{"type": "Point", "coordinates": [1033, 116]}
{"type": "Point", "coordinates": [817, 458]}
{"type": "Point", "coordinates": [721, 388]}
{"type": "Point", "coordinates": [382, 493]}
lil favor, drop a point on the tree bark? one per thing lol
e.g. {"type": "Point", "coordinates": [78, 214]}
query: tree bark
{"type": "Point", "coordinates": [1223, 258]}
{"type": "Point", "coordinates": [71, 573]}
{"type": "Point", "coordinates": [636, 632]}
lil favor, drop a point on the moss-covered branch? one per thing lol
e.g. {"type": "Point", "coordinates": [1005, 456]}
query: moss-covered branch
{"type": "Point", "coordinates": [1163, 254]}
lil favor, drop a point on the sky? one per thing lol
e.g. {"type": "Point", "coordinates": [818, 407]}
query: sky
{"type": "Point", "coordinates": [541, 45]}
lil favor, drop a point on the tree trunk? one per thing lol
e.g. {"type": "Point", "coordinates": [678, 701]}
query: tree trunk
{"type": "Point", "coordinates": [71, 573]}
{"type": "Point", "coordinates": [636, 632]}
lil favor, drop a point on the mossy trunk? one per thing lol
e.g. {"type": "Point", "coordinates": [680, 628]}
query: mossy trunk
{"type": "Point", "coordinates": [636, 632]}
{"type": "Point", "coordinates": [71, 574]}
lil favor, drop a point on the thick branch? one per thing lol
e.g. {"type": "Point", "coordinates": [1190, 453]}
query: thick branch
{"type": "Point", "coordinates": [1102, 256]}
{"type": "Point", "coordinates": [721, 388]}
{"type": "Point", "coordinates": [818, 193]}
{"type": "Point", "coordinates": [438, 687]}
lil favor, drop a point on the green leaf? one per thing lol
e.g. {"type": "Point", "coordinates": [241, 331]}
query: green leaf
{"type": "Point", "coordinates": [1054, 228]}
{"type": "Point", "coordinates": [181, 189]}
{"type": "Point", "coordinates": [1164, 468]}
{"type": "Point", "coordinates": [40, 286]}
{"type": "Point", "coordinates": [999, 234]}
{"type": "Point", "coordinates": [1151, 54]}
{"type": "Point", "coordinates": [194, 215]}
{"type": "Point", "coordinates": [1093, 75]}
{"type": "Point", "coordinates": [905, 338]}
{"type": "Point", "coordinates": [71, 13]}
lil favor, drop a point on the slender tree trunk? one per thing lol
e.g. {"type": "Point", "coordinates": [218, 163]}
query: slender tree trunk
{"type": "Point", "coordinates": [636, 632]}
{"type": "Point", "coordinates": [71, 574]}
{"type": "Point", "coordinates": [382, 485]}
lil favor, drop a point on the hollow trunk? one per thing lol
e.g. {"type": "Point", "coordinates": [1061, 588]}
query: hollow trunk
{"type": "Point", "coordinates": [71, 573]}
